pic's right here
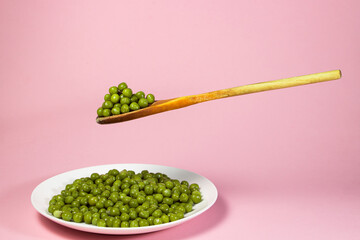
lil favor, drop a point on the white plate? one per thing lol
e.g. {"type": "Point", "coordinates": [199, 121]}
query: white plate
{"type": "Point", "coordinates": [42, 194]}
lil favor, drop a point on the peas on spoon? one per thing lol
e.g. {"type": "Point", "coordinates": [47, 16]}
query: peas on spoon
{"type": "Point", "coordinates": [180, 102]}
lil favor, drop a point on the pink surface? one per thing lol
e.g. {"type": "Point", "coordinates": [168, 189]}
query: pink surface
{"type": "Point", "coordinates": [286, 162]}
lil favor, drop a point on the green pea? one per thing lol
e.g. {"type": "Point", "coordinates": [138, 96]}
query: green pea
{"type": "Point", "coordinates": [117, 182]}
{"type": "Point", "coordinates": [185, 189]}
{"type": "Point", "coordinates": [144, 214]}
{"type": "Point", "coordinates": [66, 215]}
{"type": "Point", "coordinates": [74, 209]}
{"type": "Point", "coordinates": [113, 172]}
{"type": "Point", "coordinates": [124, 208]}
{"type": "Point", "coordinates": [51, 209]}
{"type": "Point", "coordinates": [104, 215]}
{"type": "Point", "coordinates": [134, 98]}
{"type": "Point", "coordinates": [148, 189]}
{"type": "Point", "coordinates": [173, 217]}
{"type": "Point", "coordinates": [101, 211]}
{"type": "Point", "coordinates": [165, 218]}
{"type": "Point", "coordinates": [150, 98]}
{"type": "Point", "coordinates": [164, 208]}
{"type": "Point", "coordinates": [134, 223]}
{"type": "Point", "coordinates": [114, 211]}
{"type": "Point", "coordinates": [141, 185]}
{"type": "Point", "coordinates": [109, 221]}
{"type": "Point", "coordinates": [166, 192]}
{"type": "Point", "coordinates": [168, 200]}
{"type": "Point", "coordinates": [101, 223]}
{"type": "Point", "coordinates": [140, 199]}
{"type": "Point", "coordinates": [127, 92]}
{"type": "Point", "coordinates": [180, 215]}
{"type": "Point", "coordinates": [116, 223]}
{"type": "Point", "coordinates": [66, 207]}
{"type": "Point", "coordinates": [125, 108]}
{"type": "Point", "coordinates": [143, 103]}
{"type": "Point", "coordinates": [195, 198]}
{"type": "Point", "coordinates": [92, 201]}
{"type": "Point", "coordinates": [100, 111]}
{"type": "Point", "coordinates": [107, 105]}
{"type": "Point", "coordinates": [184, 197]}
{"type": "Point", "coordinates": [106, 112]}
{"type": "Point", "coordinates": [188, 207]}
{"type": "Point", "coordinates": [133, 214]}
{"type": "Point", "coordinates": [157, 221]}
{"type": "Point", "coordinates": [78, 217]}
{"type": "Point", "coordinates": [115, 98]}
{"type": "Point", "coordinates": [88, 217]}
{"type": "Point", "coordinates": [186, 183]}
{"type": "Point", "coordinates": [133, 203]}
{"type": "Point", "coordinates": [151, 220]}
{"type": "Point", "coordinates": [69, 199]}
{"type": "Point", "coordinates": [94, 176]}
{"type": "Point", "coordinates": [169, 184]}
{"type": "Point", "coordinates": [96, 191]}
{"type": "Point", "coordinates": [127, 198]}
{"type": "Point", "coordinates": [158, 197]}
{"type": "Point", "coordinates": [125, 224]}
{"type": "Point", "coordinates": [180, 209]}
{"type": "Point", "coordinates": [146, 205]}
{"type": "Point", "coordinates": [140, 94]}
{"type": "Point", "coordinates": [83, 207]}
{"type": "Point", "coordinates": [122, 86]}
{"type": "Point", "coordinates": [95, 220]}
{"type": "Point", "coordinates": [196, 192]}
{"type": "Point", "coordinates": [175, 196]}
{"type": "Point", "coordinates": [115, 111]}
{"type": "Point", "coordinates": [176, 183]}
{"type": "Point", "coordinates": [57, 213]}
{"type": "Point", "coordinates": [157, 213]}
{"type": "Point", "coordinates": [124, 217]}
{"type": "Point", "coordinates": [113, 90]}
{"type": "Point", "coordinates": [143, 223]}
{"type": "Point", "coordinates": [107, 97]}
{"type": "Point", "coordinates": [108, 203]}
{"type": "Point", "coordinates": [125, 100]}
{"type": "Point", "coordinates": [117, 105]}
{"type": "Point", "coordinates": [114, 196]}
{"type": "Point", "coordinates": [134, 106]}
{"type": "Point", "coordinates": [194, 186]}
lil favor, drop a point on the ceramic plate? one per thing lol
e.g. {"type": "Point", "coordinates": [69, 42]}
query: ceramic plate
{"type": "Point", "coordinates": [42, 194]}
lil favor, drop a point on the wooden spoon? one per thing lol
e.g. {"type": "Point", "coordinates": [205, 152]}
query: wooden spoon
{"type": "Point", "coordinates": [180, 102]}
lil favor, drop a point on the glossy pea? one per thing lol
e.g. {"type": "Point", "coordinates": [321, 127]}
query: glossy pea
{"type": "Point", "coordinates": [125, 108]}
{"type": "Point", "coordinates": [150, 98]}
{"type": "Point", "coordinates": [143, 103]}
{"type": "Point", "coordinates": [115, 98]}
{"type": "Point", "coordinates": [140, 94]}
{"type": "Point", "coordinates": [122, 86]}
{"type": "Point", "coordinates": [127, 92]}
{"type": "Point", "coordinates": [100, 112]}
{"type": "Point", "coordinates": [113, 90]}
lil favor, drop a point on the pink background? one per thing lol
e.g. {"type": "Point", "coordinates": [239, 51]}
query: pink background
{"type": "Point", "coordinates": [285, 162]}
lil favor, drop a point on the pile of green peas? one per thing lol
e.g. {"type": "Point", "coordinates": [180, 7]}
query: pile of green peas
{"type": "Point", "coordinates": [121, 99]}
{"type": "Point", "coordinates": [125, 199]}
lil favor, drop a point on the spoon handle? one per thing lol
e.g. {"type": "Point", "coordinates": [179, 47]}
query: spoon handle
{"type": "Point", "coordinates": [265, 86]}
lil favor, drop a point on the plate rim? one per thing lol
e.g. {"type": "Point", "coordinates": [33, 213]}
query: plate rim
{"type": "Point", "coordinates": [122, 231]}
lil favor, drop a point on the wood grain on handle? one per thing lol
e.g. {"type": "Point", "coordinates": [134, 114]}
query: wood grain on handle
{"type": "Point", "coordinates": [270, 85]}
{"type": "Point", "coordinates": [256, 87]}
